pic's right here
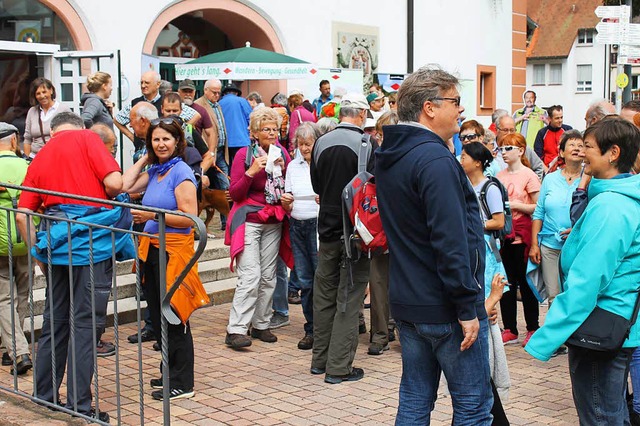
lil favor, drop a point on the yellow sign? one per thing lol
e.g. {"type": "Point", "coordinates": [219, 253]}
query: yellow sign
{"type": "Point", "coordinates": [622, 80]}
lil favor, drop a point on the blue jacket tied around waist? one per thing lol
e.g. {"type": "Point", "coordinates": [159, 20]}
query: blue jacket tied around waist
{"type": "Point", "coordinates": [116, 218]}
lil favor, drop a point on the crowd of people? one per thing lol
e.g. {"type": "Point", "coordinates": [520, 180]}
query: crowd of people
{"type": "Point", "coordinates": [474, 216]}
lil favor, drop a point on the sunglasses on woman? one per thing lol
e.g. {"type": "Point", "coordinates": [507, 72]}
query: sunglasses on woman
{"type": "Point", "coordinates": [507, 148]}
{"type": "Point", "coordinates": [469, 137]}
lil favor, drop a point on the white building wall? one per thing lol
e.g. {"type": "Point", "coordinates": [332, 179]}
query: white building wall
{"type": "Point", "coordinates": [459, 35]}
{"type": "Point", "coordinates": [574, 103]}
{"type": "Point", "coordinates": [443, 35]}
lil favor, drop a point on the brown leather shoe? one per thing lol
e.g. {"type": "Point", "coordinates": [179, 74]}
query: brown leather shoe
{"type": "Point", "coordinates": [264, 335]}
{"type": "Point", "coordinates": [306, 342]}
{"type": "Point", "coordinates": [237, 341]}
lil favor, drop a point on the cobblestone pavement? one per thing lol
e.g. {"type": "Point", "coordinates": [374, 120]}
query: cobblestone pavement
{"type": "Point", "coordinates": [270, 384]}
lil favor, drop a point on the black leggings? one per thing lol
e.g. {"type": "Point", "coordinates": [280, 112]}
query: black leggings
{"type": "Point", "coordinates": [181, 356]}
{"type": "Point", "coordinates": [516, 267]}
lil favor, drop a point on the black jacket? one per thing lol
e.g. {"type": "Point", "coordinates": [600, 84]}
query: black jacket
{"type": "Point", "coordinates": [431, 217]}
{"type": "Point", "coordinates": [334, 162]}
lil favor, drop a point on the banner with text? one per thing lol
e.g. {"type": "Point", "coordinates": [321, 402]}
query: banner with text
{"type": "Point", "coordinates": [244, 71]}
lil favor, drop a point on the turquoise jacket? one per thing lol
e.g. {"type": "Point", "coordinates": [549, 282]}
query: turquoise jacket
{"type": "Point", "coordinates": [600, 263]}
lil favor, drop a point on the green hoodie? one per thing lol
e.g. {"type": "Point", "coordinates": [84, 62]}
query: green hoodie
{"type": "Point", "coordinates": [600, 262]}
{"type": "Point", "coordinates": [12, 170]}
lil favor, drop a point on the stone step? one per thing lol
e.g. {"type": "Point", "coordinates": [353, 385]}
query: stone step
{"type": "Point", "coordinates": [214, 250]}
{"type": "Point", "coordinates": [220, 291]}
{"type": "Point", "coordinates": [210, 271]}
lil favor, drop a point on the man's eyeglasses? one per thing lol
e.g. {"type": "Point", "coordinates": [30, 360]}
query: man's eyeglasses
{"type": "Point", "coordinates": [167, 120]}
{"type": "Point", "coordinates": [507, 148]}
{"type": "Point", "coordinates": [512, 130]}
{"type": "Point", "coordinates": [268, 130]}
{"type": "Point", "coordinates": [392, 102]}
{"type": "Point", "coordinates": [456, 100]}
{"type": "Point", "coordinates": [469, 137]}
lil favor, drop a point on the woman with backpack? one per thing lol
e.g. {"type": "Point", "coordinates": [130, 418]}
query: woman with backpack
{"type": "Point", "coordinates": [523, 187]}
{"type": "Point", "coordinates": [475, 159]}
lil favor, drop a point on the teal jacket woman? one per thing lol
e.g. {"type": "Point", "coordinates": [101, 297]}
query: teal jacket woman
{"type": "Point", "coordinates": [600, 263]}
{"type": "Point", "coordinates": [600, 266]}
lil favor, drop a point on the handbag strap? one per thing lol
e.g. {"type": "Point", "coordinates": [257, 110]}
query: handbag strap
{"type": "Point", "coordinates": [41, 131]}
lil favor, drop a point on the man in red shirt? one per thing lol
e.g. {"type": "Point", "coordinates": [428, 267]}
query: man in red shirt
{"type": "Point", "coordinates": [548, 138]}
{"type": "Point", "coordinates": [74, 161]}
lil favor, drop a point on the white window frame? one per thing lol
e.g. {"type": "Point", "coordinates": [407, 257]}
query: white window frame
{"type": "Point", "coordinates": [583, 36]}
{"type": "Point", "coordinates": [544, 75]}
{"type": "Point", "coordinates": [584, 86]}
{"type": "Point", "coordinates": [550, 80]}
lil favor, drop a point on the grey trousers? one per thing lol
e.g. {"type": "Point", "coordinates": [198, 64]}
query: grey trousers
{"type": "Point", "coordinates": [379, 291]}
{"type": "Point", "coordinates": [549, 268]}
{"type": "Point", "coordinates": [20, 272]}
{"type": "Point", "coordinates": [335, 332]}
{"type": "Point", "coordinates": [256, 267]}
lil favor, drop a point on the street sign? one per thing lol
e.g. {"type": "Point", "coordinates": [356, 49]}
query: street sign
{"type": "Point", "coordinates": [609, 33]}
{"type": "Point", "coordinates": [633, 37]}
{"type": "Point", "coordinates": [622, 11]}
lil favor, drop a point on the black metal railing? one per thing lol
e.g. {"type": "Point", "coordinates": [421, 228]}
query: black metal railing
{"type": "Point", "coordinates": [73, 226]}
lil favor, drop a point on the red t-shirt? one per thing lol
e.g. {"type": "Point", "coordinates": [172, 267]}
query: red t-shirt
{"type": "Point", "coordinates": [73, 161]}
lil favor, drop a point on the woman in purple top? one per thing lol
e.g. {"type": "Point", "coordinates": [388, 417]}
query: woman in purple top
{"type": "Point", "coordinates": [168, 184]}
{"type": "Point", "coordinates": [258, 183]}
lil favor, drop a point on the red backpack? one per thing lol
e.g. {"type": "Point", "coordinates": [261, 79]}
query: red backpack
{"type": "Point", "coordinates": [361, 222]}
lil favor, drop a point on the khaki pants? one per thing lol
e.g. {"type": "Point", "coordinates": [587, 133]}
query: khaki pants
{"type": "Point", "coordinates": [549, 268]}
{"type": "Point", "coordinates": [256, 268]}
{"type": "Point", "coordinates": [18, 305]}
{"type": "Point", "coordinates": [335, 332]}
{"type": "Point", "coordinates": [379, 290]}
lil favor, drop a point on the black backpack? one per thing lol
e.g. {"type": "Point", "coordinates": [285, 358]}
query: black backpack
{"type": "Point", "coordinates": [500, 234]}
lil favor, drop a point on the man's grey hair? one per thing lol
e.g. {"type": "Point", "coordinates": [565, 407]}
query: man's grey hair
{"type": "Point", "coordinates": [499, 120]}
{"type": "Point", "coordinates": [339, 92]}
{"type": "Point", "coordinates": [425, 84]}
{"type": "Point", "coordinates": [347, 111]}
{"type": "Point", "coordinates": [211, 82]}
{"type": "Point", "coordinates": [105, 132]}
{"type": "Point", "coordinates": [326, 124]}
{"type": "Point", "coordinates": [70, 118]}
{"type": "Point", "coordinates": [254, 96]}
{"type": "Point", "coordinates": [497, 114]}
{"type": "Point", "coordinates": [7, 139]}
{"type": "Point", "coordinates": [489, 136]}
{"type": "Point", "coordinates": [306, 130]}
{"type": "Point", "coordinates": [165, 86]}
{"type": "Point", "coordinates": [598, 109]}
{"type": "Point", "coordinates": [146, 110]}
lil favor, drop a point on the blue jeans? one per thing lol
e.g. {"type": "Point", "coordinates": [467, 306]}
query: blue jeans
{"type": "Point", "coordinates": [280, 294]}
{"type": "Point", "coordinates": [634, 369]}
{"type": "Point", "coordinates": [427, 351]}
{"type": "Point", "coordinates": [294, 285]}
{"type": "Point", "coordinates": [304, 241]}
{"type": "Point", "coordinates": [598, 386]}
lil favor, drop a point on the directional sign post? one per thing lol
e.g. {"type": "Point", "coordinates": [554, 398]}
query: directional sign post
{"type": "Point", "coordinates": [614, 28]}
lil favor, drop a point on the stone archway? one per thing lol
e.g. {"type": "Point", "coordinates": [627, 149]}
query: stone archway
{"type": "Point", "coordinates": [72, 20]}
{"type": "Point", "coordinates": [238, 21]}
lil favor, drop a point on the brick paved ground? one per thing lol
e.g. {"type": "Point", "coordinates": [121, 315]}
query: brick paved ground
{"type": "Point", "coordinates": [270, 384]}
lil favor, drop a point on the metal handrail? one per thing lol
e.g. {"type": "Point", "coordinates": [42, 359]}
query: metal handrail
{"type": "Point", "coordinates": [171, 317]}
{"type": "Point", "coordinates": [168, 316]}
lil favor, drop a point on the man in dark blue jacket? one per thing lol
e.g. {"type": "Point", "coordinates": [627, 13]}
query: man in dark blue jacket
{"type": "Point", "coordinates": [436, 279]}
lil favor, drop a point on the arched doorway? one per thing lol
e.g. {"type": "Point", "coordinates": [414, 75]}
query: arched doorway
{"type": "Point", "coordinates": [30, 32]}
{"type": "Point", "coordinates": [226, 24]}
